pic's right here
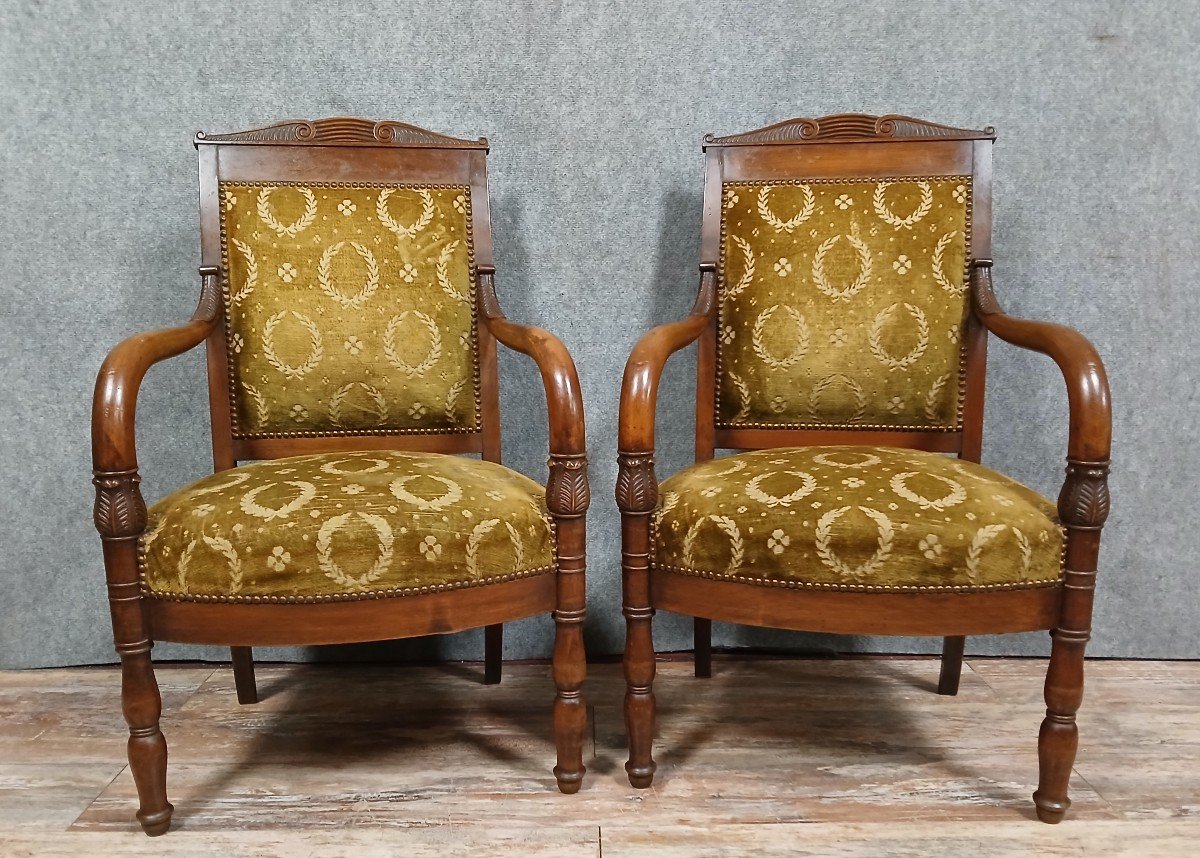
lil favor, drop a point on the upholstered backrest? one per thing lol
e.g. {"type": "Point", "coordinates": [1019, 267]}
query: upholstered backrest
{"type": "Point", "coordinates": [348, 252]}
{"type": "Point", "coordinates": [842, 276]}
{"type": "Point", "coordinates": [349, 307]}
{"type": "Point", "coordinates": [842, 302]}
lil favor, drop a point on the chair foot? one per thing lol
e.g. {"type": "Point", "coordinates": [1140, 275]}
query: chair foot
{"type": "Point", "coordinates": [157, 823]}
{"type": "Point", "coordinates": [243, 674]}
{"type": "Point", "coordinates": [1049, 811]}
{"type": "Point", "coordinates": [569, 782]}
{"type": "Point", "coordinates": [640, 777]}
{"type": "Point", "coordinates": [570, 728]}
{"type": "Point", "coordinates": [493, 653]}
{"type": "Point", "coordinates": [952, 660]}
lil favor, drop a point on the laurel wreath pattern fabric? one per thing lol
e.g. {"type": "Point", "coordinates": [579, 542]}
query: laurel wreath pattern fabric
{"type": "Point", "coordinates": [858, 518]}
{"type": "Point", "coordinates": [842, 303]}
{"type": "Point", "coordinates": [342, 525]}
{"type": "Point", "coordinates": [349, 308]}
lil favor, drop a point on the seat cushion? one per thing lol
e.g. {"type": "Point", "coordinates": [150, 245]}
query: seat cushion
{"type": "Point", "coordinates": [856, 518]}
{"type": "Point", "coordinates": [338, 526]}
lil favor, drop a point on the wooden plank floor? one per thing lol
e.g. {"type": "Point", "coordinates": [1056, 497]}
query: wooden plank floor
{"type": "Point", "coordinates": [769, 757]}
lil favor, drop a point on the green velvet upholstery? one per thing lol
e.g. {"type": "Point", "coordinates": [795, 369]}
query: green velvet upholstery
{"type": "Point", "coordinates": [349, 309]}
{"type": "Point", "coordinates": [346, 525]}
{"type": "Point", "coordinates": [859, 518]}
{"type": "Point", "coordinates": [843, 302]}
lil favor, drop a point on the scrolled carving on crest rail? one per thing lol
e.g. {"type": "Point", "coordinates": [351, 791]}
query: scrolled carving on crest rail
{"type": "Point", "coordinates": [345, 131]}
{"type": "Point", "coordinates": [567, 491]}
{"type": "Point", "coordinates": [637, 485]}
{"type": "Point", "coordinates": [294, 131]}
{"type": "Point", "coordinates": [404, 134]}
{"type": "Point", "coordinates": [120, 509]}
{"type": "Point", "coordinates": [849, 126]}
{"type": "Point", "coordinates": [1083, 503]}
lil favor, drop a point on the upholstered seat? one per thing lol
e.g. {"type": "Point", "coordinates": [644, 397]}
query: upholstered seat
{"type": "Point", "coordinates": [337, 526]}
{"type": "Point", "coordinates": [860, 518]}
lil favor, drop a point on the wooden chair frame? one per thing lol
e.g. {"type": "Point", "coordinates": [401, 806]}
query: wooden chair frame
{"type": "Point", "coordinates": [351, 150]}
{"type": "Point", "coordinates": [855, 145]}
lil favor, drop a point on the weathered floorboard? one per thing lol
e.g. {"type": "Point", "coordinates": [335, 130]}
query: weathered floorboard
{"type": "Point", "coordinates": [770, 756]}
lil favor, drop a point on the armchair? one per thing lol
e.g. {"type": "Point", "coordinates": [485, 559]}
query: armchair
{"type": "Point", "coordinates": [844, 304]}
{"type": "Point", "coordinates": [349, 311]}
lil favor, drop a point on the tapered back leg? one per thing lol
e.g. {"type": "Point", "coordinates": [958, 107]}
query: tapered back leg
{"type": "Point", "coordinates": [952, 659]}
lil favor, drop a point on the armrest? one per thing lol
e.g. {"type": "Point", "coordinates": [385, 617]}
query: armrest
{"type": "Point", "coordinates": [639, 389]}
{"type": "Point", "coordinates": [564, 402]}
{"type": "Point", "coordinates": [567, 492]}
{"type": "Point", "coordinates": [1090, 437]}
{"type": "Point", "coordinates": [115, 401]}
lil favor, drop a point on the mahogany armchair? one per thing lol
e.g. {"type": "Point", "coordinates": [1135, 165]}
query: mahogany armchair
{"type": "Point", "coordinates": [844, 305]}
{"type": "Point", "coordinates": [350, 317]}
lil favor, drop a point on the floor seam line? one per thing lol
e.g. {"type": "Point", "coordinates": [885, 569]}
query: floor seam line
{"type": "Point", "coordinates": [96, 798]}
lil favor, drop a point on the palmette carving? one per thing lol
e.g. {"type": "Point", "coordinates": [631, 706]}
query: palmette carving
{"type": "Point", "coordinates": [209, 305]}
{"type": "Point", "coordinates": [982, 295]}
{"type": "Point", "coordinates": [567, 491]}
{"type": "Point", "coordinates": [488, 302]}
{"type": "Point", "coordinates": [1083, 503]}
{"type": "Point", "coordinates": [637, 485]}
{"type": "Point", "coordinates": [120, 509]}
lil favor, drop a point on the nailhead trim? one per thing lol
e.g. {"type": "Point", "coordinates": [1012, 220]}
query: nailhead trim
{"type": "Point", "coordinates": [343, 597]}
{"type": "Point", "coordinates": [962, 362]}
{"type": "Point", "coordinates": [862, 588]}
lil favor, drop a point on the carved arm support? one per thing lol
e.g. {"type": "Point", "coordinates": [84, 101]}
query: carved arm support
{"type": "Point", "coordinates": [1083, 504]}
{"type": "Point", "coordinates": [637, 487]}
{"type": "Point", "coordinates": [567, 493]}
{"type": "Point", "coordinates": [120, 511]}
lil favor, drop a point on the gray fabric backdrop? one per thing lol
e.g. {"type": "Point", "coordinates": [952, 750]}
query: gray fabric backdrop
{"type": "Point", "coordinates": [595, 111]}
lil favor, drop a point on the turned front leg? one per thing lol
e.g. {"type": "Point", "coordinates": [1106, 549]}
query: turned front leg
{"type": "Point", "coordinates": [567, 497]}
{"type": "Point", "coordinates": [147, 747]}
{"type": "Point", "coordinates": [120, 516]}
{"type": "Point", "coordinates": [637, 495]}
{"type": "Point", "coordinates": [1083, 507]}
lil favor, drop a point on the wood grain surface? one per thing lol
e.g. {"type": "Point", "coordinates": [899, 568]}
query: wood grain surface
{"type": "Point", "coordinates": [769, 757]}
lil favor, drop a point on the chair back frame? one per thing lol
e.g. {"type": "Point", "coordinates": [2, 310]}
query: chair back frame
{"type": "Point", "coordinates": [346, 150]}
{"type": "Point", "coordinates": [834, 147]}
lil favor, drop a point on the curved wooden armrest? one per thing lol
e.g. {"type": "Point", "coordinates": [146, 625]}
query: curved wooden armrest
{"type": "Point", "coordinates": [564, 402]}
{"type": "Point", "coordinates": [639, 389]}
{"type": "Point", "coordinates": [1090, 438]}
{"type": "Point", "coordinates": [567, 492]}
{"type": "Point", "coordinates": [115, 401]}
